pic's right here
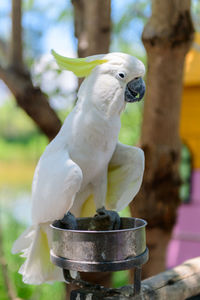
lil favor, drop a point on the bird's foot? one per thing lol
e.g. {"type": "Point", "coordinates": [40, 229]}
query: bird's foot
{"type": "Point", "coordinates": [105, 220]}
{"type": "Point", "coordinates": [67, 222]}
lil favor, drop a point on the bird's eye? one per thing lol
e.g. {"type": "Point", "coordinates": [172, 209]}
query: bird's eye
{"type": "Point", "coordinates": [121, 75]}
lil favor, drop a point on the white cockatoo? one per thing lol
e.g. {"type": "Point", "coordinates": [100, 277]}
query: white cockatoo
{"type": "Point", "coordinates": [85, 167]}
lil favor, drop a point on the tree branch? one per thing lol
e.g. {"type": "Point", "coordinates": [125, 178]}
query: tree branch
{"type": "Point", "coordinates": [16, 55]}
{"type": "Point", "coordinates": [3, 49]}
{"type": "Point", "coordinates": [32, 100]}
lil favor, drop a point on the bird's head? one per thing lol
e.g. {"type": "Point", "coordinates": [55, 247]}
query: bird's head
{"type": "Point", "coordinates": [111, 79]}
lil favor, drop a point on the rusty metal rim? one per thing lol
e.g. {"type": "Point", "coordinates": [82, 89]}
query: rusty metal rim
{"type": "Point", "coordinates": [88, 266]}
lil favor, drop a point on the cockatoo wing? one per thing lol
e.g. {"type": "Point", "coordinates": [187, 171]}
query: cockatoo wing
{"type": "Point", "coordinates": [125, 174]}
{"type": "Point", "coordinates": [56, 181]}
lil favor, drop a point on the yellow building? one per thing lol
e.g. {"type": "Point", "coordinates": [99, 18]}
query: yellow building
{"type": "Point", "coordinates": [190, 112]}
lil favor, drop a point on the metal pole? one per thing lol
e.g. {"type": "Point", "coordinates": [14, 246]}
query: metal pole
{"type": "Point", "coordinates": [137, 280]}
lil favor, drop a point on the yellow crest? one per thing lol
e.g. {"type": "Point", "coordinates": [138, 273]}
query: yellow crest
{"type": "Point", "coordinates": [81, 67]}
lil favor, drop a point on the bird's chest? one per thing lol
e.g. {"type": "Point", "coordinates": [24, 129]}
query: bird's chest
{"type": "Point", "coordinates": [93, 147]}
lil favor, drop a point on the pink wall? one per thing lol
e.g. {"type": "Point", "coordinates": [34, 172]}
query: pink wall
{"type": "Point", "coordinates": [185, 242]}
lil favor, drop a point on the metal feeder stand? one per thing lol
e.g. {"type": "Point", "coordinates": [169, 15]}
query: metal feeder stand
{"type": "Point", "coordinates": [101, 251]}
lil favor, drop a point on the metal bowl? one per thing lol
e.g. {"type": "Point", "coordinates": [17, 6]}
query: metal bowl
{"type": "Point", "coordinates": [94, 251]}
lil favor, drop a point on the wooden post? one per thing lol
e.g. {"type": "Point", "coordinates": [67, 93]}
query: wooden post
{"type": "Point", "coordinates": [179, 283]}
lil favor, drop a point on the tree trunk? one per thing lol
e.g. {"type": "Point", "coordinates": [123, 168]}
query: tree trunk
{"type": "Point", "coordinates": [167, 37]}
{"type": "Point", "coordinates": [92, 23]}
{"type": "Point", "coordinates": [92, 26]}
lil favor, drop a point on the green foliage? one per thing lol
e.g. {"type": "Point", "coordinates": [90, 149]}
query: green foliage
{"type": "Point", "coordinates": [131, 124]}
{"type": "Point", "coordinates": [28, 148]}
{"type": "Point", "coordinates": [185, 170]}
{"type": "Point", "coordinates": [120, 278]}
{"type": "Point", "coordinates": [20, 140]}
{"type": "Point", "coordinates": [14, 122]}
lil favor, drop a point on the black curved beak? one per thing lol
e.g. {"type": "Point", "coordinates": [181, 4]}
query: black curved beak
{"type": "Point", "coordinates": [135, 90]}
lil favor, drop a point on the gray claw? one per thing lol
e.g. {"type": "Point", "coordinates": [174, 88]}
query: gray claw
{"type": "Point", "coordinates": [105, 220]}
{"type": "Point", "coordinates": [67, 222]}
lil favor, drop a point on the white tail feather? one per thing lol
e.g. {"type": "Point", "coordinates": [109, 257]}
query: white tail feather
{"type": "Point", "coordinates": [23, 242]}
{"type": "Point", "coordinates": [35, 245]}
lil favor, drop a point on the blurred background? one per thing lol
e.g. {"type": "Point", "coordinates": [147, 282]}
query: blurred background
{"type": "Point", "coordinates": [35, 98]}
